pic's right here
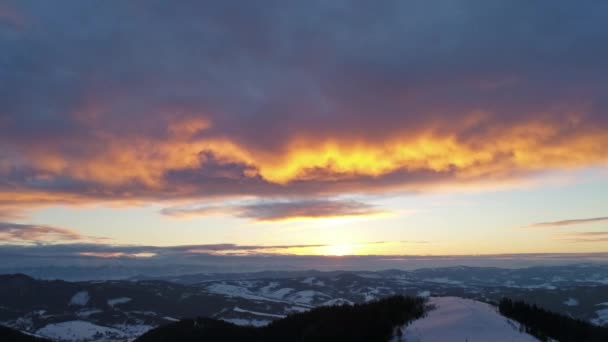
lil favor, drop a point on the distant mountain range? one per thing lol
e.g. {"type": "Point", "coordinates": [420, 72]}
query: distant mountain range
{"type": "Point", "coordinates": [121, 310]}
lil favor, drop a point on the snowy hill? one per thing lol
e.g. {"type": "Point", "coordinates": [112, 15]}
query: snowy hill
{"type": "Point", "coordinates": [118, 310]}
{"type": "Point", "coordinates": [459, 319]}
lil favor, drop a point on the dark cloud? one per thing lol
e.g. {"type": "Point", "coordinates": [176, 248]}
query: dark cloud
{"type": "Point", "coordinates": [570, 222]}
{"type": "Point", "coordinates": [277, 210]}
{"type": "Point", "coordinates": [148, 100]}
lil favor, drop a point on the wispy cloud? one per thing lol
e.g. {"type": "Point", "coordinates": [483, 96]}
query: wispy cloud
{"type": "Point", "coordinates": [33, 233]}
{"type": "Point", "coordinates": [278, 210]}
{"type": "Point", "coordinates": [570, 222]}
{"type": "Point", "coordinates": [194, 211]}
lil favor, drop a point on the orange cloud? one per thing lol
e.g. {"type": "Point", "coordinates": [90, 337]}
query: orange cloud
{"type": "Point", "coordinates": [266, 116]}
{"type": "Point", "coordinates": [185, 163]}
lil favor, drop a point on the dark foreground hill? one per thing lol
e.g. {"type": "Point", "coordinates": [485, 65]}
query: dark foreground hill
{"type": "Point", "coordinates": [12, 335]}
{"type": "Point", "coordinates": [376, 321]}
{"type": "Point", "coordinates": [547, 325]}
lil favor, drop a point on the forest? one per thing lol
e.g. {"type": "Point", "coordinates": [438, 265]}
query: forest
{"type": "Point", "coordinates": [369, 322]}
{"type": "Point", "coordinates": [546, 325]}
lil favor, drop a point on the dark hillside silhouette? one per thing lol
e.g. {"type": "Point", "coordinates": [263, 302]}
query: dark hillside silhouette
{"type": "Point", "coordinates": [546, 325]}
{"type": "Point", "coordinates": [376, 321]}
{"type": "Point", "coordinates": [12, 335]}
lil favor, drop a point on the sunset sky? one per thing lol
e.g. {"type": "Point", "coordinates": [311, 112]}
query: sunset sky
{"type": "Point", "coordinates": [304, 127]}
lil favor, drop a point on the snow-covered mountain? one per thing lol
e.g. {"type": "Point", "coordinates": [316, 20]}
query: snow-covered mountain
{"type": "Point", "coordinates": [122, 310]}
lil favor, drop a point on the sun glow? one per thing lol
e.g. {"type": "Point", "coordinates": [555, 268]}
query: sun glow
{"type": "Point", "coordinates": [338, 250]}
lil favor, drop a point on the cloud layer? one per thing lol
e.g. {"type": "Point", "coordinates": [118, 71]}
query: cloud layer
{"type": "Point", "coordinates": [148, 100]}
{"type": "Point", "coordinates": [104, 250]}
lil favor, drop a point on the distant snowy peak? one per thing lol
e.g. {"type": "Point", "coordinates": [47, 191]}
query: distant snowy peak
{"type": "Point", "coordinates": [459, 319]}
{"type": "Point", "coordinates": [571, 302]}
{"type": "Point", "coordinates": [80, 299]}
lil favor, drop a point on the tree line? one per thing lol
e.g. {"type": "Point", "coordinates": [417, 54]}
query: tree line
{"type": "Point", "coordinates": [546, 325]}
{"type": "Point", "coordinates": [369, 322]}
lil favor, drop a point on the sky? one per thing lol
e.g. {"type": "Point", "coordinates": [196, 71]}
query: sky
{"type": "Point", "coordinates": [129, 129]}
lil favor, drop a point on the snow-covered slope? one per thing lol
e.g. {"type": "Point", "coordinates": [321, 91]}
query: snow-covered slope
{"type": "Point", "coordinates": [77, 331]}
{"type": "Point", "coordinates": [459, 319]}
{"type": "Point", "coordinates": [89, 332]}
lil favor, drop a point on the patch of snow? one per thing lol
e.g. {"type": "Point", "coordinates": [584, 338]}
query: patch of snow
{"type": "Point", "coordinates": [269, 287]}
{"type": "Point", "coordinates": [306, 296]}
{"type": "Point", "coordinates": [237, 309]}
{"type": "Point", "coordinates": [369, 275]}
{"type": "Point", "coordinates": [296, 309]}
{"type": "Point", "coordinates": [571, 302]}
{"type": "Point", "coordinates": [279, 294]}
{"type": "Point", "coordinates": [170, 319]}
{"type": "Point", "coordinates": [313, 281]}
{"type": "Point", "coordinates": [308, 280]}
{"type": "Point", "coordinates": [133, 330]}
{"type": "Point", "coordinates": [368, 297]}
{"type": "Point", "coordinates": [80, 299]}
{"type": "Point", "coordinates": [25, 323]}
{"type": "Point", "coordinates": [116, 301]}
{"type": "Point", "coordinates": [246, 322]}
{"type": "Point", "coordinates": [87, 313]}
{"type": "Point", "coordinates": [443, 281]}
{"type": "Point", "coordinates": [372, 293]}
{"type": "Point", "coordinates": [270, 291]}
{"type": "Point", "coordinates": [21, 323]}
{"type": "Point", "coordinates": [602, 317]}
{"type": "Point", "coordinates": [237, 291]}
{"type": "Point", "coordinates": [337, 301]}
{"type": "Point", "coordinates": [459, 319]}
{"type": "Point", "coordinates": [77, 331]}
{"type": "Point", "coordinates": [424, 294]}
